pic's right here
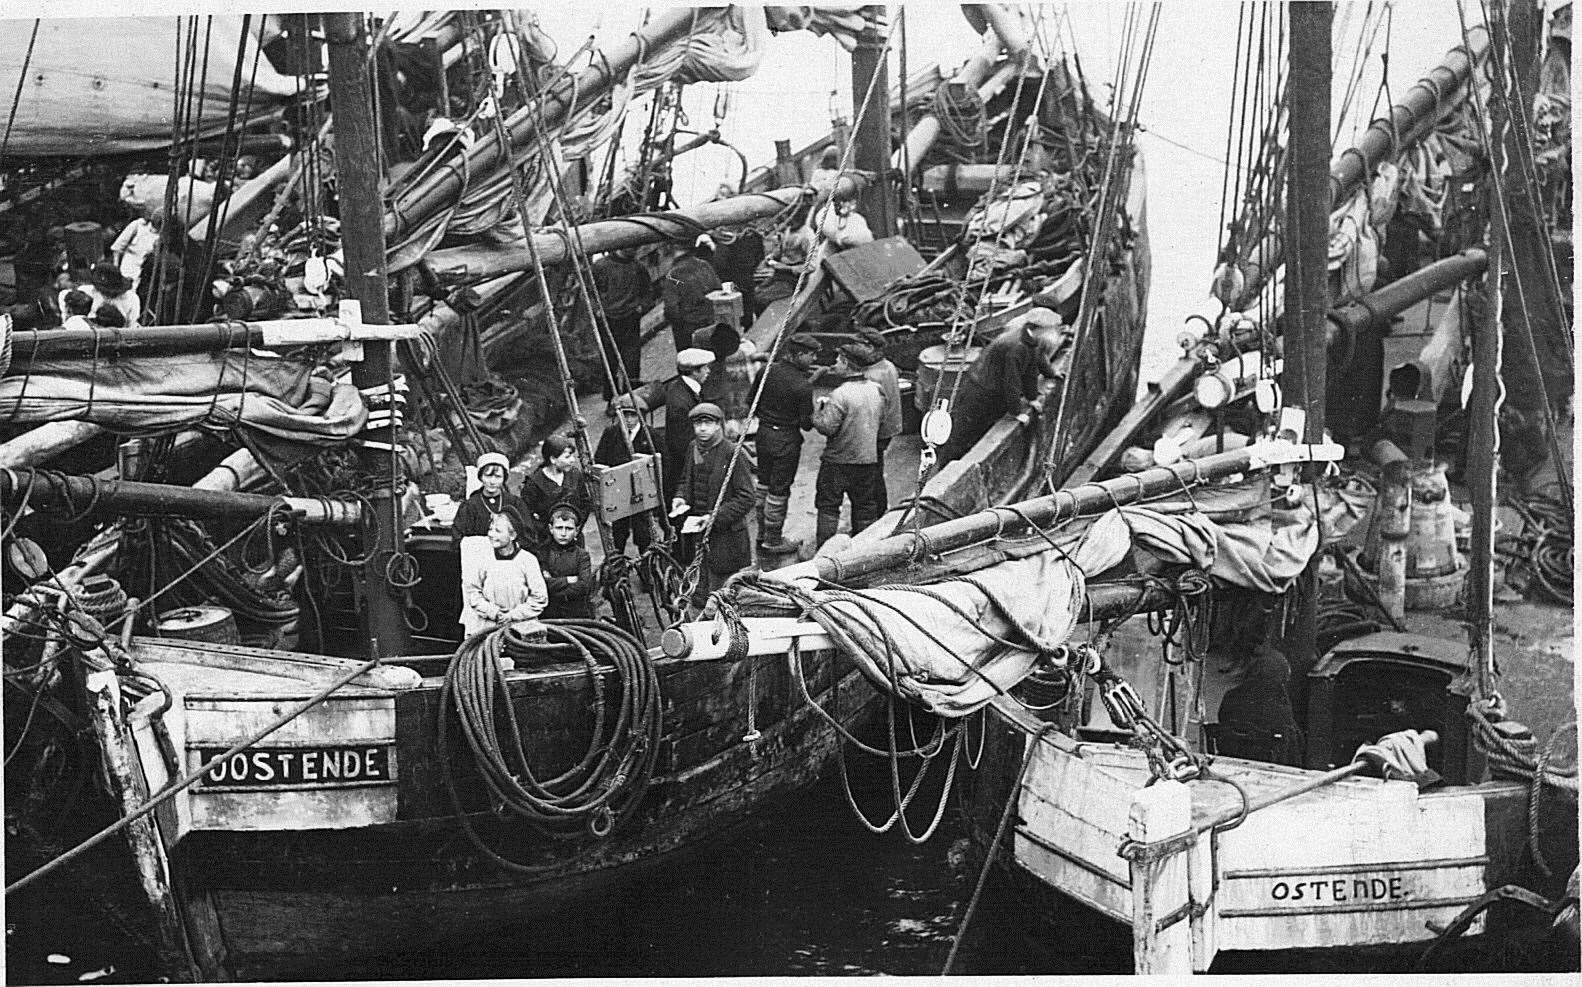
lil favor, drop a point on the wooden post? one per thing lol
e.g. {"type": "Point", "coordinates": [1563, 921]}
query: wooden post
{"type": "Point", "coordinates": [44, 490]}
{"type": "Point", "coordinates": [1483, 437]}
{"type": "Point", "coordinates": [1307, 205]}
{"type": "Point", "coordinates": [148, 853]}
{"type": "Point", "coordinates": [1161, 889]}
{"type": "Point", "coordinates": [870, 67]}
{"type": "Point", "coordinates": [361, 197]}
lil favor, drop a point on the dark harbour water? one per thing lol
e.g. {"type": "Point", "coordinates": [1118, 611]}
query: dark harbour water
{"type": "Point", "coordinates": [799, 890]}
{"type": "Point", "coordinates": [802, 890]}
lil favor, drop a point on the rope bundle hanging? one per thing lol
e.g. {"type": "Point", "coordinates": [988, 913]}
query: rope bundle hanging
{"type": "Point", "coordinates": [595, 795]}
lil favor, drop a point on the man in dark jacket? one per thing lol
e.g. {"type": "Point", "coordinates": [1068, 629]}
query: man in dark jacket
{"type": "Point", "coordinates": [726, 545]}
{"type": "Point", "coordinates": [849, 418]}
{"type": "Point", "coordinates": [625, 293]}
{"type": "Point", "coordinates": [785, 411]}
{"type": "Point", "coordinates": [1003, 377]}
{"type": "Point", "coordinates": [611, 451]}
{"type": "Point", "coordinates": [678, 396]}
{"type": "Point", "coordinates": [736, 260]}
{"type": "Point", "coordinates": [686, 292]}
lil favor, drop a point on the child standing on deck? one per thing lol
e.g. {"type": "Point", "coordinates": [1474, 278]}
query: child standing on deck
{"type": "Point", "coordinates": [568, 569]}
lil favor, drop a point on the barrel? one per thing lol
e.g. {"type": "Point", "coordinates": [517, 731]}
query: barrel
{"type": "Point", "coordinates": [931, 368]}
{"type": "Point", "coordinates": [214, 625]}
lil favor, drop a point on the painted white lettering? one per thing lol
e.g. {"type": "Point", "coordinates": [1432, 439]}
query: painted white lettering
{"type": "Point", "coordinates": [262, 768]}
{"type": "Point", "coordinates": [238, 765]}
{"type": "Point", "coordinates": [310, 767]}
{"type": "Point", "coordinates": [331, 768]}
{"type": "Point", "coordinates": [352, 765]}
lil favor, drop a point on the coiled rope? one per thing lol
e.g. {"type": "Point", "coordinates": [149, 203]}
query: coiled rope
{"type": "Point", "coordinates": [598, 793]}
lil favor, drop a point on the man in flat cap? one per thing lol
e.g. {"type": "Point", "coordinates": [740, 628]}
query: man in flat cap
{"type": "Point", "coordinates": [713, 464]}
{"type": "Point", "coordinates": [678, 395]}
{"type": "Point", "coordinates": [1003, 377]}
{"type": "Point", "coordinates": [849, 419]}
{"type": "Point", "coordinates": [785, 411]}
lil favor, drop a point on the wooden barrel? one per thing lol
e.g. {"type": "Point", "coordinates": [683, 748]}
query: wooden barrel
{"type": "Point", "coordinates": [214, 625]}
{"type": "Point", "coordinates": [931, 367]}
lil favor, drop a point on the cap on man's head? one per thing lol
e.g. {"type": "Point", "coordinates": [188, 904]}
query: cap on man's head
{"type": "Point", "coordinates": [1039, 318]}
{"type": "Point", "coordinates": [859, 354]}
{"type": "Point", "coordinates": [707, 410]}
{"type": "Point", "coordinates": [872, 337]}
{"type": "Point", "coordinates": [692, 358]}
{"type": "Point", "coordinates": [801, 342]}
{"type": "Point", "coordinates": [703, 242]}
{"type": "Point", "coordinates": [489, 459]}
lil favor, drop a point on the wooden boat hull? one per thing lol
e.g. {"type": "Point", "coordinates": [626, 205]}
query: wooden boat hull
{"type": "Point", "coordinates": [288, 876]}
{"type": "Point", "coordinates": [1362, 865]}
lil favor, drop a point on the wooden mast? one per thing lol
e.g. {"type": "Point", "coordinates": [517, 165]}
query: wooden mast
{"type": "Point", "coordinates": [361, 197]}
{"type": "Point", "coordinates": [870, 66]}
{"type": "Point", "coordinates": [1307, 204]}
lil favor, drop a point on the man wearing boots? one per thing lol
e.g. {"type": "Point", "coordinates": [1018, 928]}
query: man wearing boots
{"type": "Point", "coordinates": [785, 410]}
{"type": "Point", "coordinates": [849, 418]}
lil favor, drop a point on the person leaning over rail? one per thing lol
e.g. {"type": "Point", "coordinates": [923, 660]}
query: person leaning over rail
{"type": "Point", "coordinates": [1003, 377]}
{"type": "Point", "coordinates": [507, 586]}
{"type": "Point", "coordinates": [725, 544]}
{"type": "Point", "coordinates": [489, 500]}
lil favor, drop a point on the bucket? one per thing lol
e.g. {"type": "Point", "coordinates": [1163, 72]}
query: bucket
{"type": "Point", "coordinates": [933, 375]}
{"type": "Point", "coordinates": [211, 624]}
{"type": "Point", "coordinates": [84, 247]}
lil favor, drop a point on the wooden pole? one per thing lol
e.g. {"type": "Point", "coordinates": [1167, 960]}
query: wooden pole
{"type": "Point", "coordinates": [361, 196]}
{"type": "Point", "coordinates": [870, 67]}
{"type": "Point", "coordinates": [412, 206]}
{"type": "Point", "coordinates": [1483, 437]}
{"type": "Point", "coordinates": [1307, 201]}
{"type": "Point", "coordinates": [51, 490]}
{"type": "Point", "coordinates": [855, 566]}
{"type": "Point", "coordinates": [473, 263]}
{"type": "Point", "coordinates": [207, 337]}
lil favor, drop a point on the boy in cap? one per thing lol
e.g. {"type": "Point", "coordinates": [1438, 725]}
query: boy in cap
{"type": "Point", "coordinates": [849, 418]}
{"type": "Point", "coordinates": [888, 377]}
{"type": "Point", "coordinates": [678, 396]}
{"type": "Point", "coordinates": [785, 411]}
{"type": "Point", "coordinates": [1003, 377]}
{"type": "Point", "coordinates": [490, 499]}
{"type": "Point", "coordinates": [686, 291]}
{"type": "Point", "coordinates": [726, 545]}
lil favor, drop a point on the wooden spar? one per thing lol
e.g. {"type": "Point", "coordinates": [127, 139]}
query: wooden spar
{"type": "Point", "coordinates": [48, 344]}
{"type": "Point", "coordinates": [1378, 309]}
{"type": "Point", "coordinates": [360, 181]}
{"type": "Point", "coordinates": [702, 640]}
{"type": "Point", "coordinates": [854, 566]}
{"type": "Point", "coordinates": [1483, 438]}
{"type": "Point", "coordinates": [870, 71]}
{"type": "Point", "coordinates": [1412, 118]}
{"type": "Point", "coordinates": [1307, 271]}
{"type": "Point", "coordinates": [39, 445]}
{"type": "Point", "coordinates": [475, 263]}
{"type": "Point", "coordinates": [85, 493]}
{"type": "Point", "coordinates": [411, 207]}
{"type": "Point", "coordinates": [1176, 382]}
{"type": "Point", "coordinates": [1006, 28]}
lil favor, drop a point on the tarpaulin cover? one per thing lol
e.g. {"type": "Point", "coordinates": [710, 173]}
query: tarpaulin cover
{"type": "Point", "coordinates": [951, 646]}
{"type": "Point", "coordinates": [273, 397]}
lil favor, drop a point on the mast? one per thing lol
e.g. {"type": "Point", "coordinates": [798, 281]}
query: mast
{"type": "Point", "coordinates": [361, 187]}
{"type": "Point", "coordinates": [1307, 202]}
{"type": "Point", "coordinates": [870, 67]}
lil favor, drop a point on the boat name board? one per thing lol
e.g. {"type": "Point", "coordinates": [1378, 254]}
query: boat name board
{"type": "Point", "coordinates": [1339, 890]}
{"type": "Point", "coordinates": [299, 767]}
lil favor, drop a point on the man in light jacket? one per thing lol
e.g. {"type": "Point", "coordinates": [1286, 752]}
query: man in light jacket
{"type": "Point", "coordinates": [849, 419]}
